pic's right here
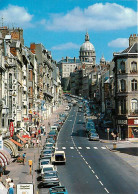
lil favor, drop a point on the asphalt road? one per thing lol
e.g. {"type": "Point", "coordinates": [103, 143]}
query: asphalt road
{"type": "Point", "coordinates": [90, 167]}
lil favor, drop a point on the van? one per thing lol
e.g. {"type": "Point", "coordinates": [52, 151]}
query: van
{"type": "Point", "coordinates": [58, 157]}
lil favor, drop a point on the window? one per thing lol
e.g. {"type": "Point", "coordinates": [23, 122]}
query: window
{"type": "Point", "coordinates": [133, 66]}
{"type": "Point", "coordinates": [123, 85]}
{"type": "Point", "coordinates": [10, 81]}
{"type": "Point", "coordinates": [10, 104]}
{"type": "Point", "coordinates": [134, 85]}
{"type": "Point", "coordinates": [134, 105]}
{"type": "Point", "coordinates": [123, 106]}
{"type": "Point", "coordinates": [122, 66]}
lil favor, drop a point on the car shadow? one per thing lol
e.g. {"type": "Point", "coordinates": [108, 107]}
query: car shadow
{"type": "Point", "coordinates": [130, 151]}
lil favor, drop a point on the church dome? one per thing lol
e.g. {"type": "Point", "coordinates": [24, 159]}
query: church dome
{"type": "Point", "coordinates": [102, 60]}
{"type": "Point", "coordinates": [87, 46]}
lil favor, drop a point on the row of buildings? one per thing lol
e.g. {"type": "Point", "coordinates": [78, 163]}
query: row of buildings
{"type": "Point", "coordinates": [112, 87]}
{"type": "Point", "coordinates": [30, 85]}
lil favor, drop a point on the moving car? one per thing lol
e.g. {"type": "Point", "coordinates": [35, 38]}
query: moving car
{"type": "Point", "coordinates": [94, 137]}
{"type": "Point", "coordinates": [49, 178]}
{"type": "Point", "coordinates": [58, 190]}
{"type": "Point", "coordinates": [58, 157]}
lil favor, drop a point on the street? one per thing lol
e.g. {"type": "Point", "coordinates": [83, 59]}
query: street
{"type": "Point", "coordinates": [90, 167]}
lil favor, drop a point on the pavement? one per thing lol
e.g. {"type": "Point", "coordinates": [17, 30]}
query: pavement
{"type": "Point", "coordinates": [19, 172]}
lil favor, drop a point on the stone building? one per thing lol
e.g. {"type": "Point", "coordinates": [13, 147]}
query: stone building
{"type": "Point", "coordinates": [126, 89]}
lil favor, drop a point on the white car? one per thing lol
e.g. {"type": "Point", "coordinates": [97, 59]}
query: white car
{"type": "Point", "coordinates": [58, 157]}
{"type": "Point", "coordinates": [47, 168]}
{"type": "Point", "coordinates": [44, 162]}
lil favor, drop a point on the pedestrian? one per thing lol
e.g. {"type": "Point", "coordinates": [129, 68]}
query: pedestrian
{"type": "Point", "coordinates": [8, 180]}
{"type": "Point", "coordinates": [11, 187]}
{"type": "Point", "coordinates": [24, 155]}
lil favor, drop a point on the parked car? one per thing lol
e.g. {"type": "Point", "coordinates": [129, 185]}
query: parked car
{"type": "Point", "coordinates": [46, 152]}
{"type": "Point", "coordinates": [44, 162]}
{"type": "Point", "coordinates": [58, 190]}
{"type": "Point", "coordinates": [94, 137]}
{"type": "Point", "coordinates": [50, 140]}
{"type": "Point", "coordinates": [47, 168]}
{"type": "Point", "coordinates": [49, 179]}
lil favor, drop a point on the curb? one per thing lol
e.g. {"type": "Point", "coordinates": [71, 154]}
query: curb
{"type": "Point", "coordinates": [111, 150]}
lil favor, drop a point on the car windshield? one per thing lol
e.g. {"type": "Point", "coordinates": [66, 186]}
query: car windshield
{"type": "Point", "coordinates": [47, 152]}
{"type": "Point", "coordinates": [47, 169]}
{"type": "Point", "coordinates": [44, 162]}
{"type": "Point", "coordinates": [50, 174]}
{"type": "Point", "coordinates": [95, 135]}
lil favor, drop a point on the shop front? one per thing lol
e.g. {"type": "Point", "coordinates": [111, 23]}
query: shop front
{"type": "Point", "coordinates": [122, 128]}
{"type": "Point", "coordinates": [133, 128]}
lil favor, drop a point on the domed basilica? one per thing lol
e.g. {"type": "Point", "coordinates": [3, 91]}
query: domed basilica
{"type": "Point", "coordinates": [87, 52]}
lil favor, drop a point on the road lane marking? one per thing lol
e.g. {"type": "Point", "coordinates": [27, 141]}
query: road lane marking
{"type": "Point", "coordinates": [96, 176]}
{"type": "Point", "coordinates": [86, 162]}
{"type": "Point", "coordinates": [63, 148]}
{"type": "Point", "coordinates": [95, 148]}
{"type": "Point", "coordinates": [72, 148]}
{"type": "Point", "coordinates": [106, 190]}
{"type": "Point", "coordinates": [88, 148]}
{"type": "Point", "coordinates": [79, 148]}
{"type": "Point", "coordinates": [89, 166]}
{"type": "Point", "coordinates": [104, 148]}
{"type": "Point", "coordinates": [93, 171]}
{"type": "Point", "coordinates": [101, 183]}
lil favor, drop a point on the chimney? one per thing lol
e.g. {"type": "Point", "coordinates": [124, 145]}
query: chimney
{"type": "Point", "coordinates": [32, 48]}
{"type": "Point", "coordinates": [74, 59]}
{"type": "Point", "coordinates": [66, 59]}
{"type": "Point", "coordinates": [133, 39]}
{"type": "Point", "coordinates": [62, 58]}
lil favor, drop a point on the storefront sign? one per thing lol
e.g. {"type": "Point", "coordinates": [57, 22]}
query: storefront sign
{"type": "Point", "coordinates": [135, 122]}
{"type": "Point", "coordinates": [25, 188]}
{"type": "Point", "coordinates": [132, 122]}
{"type": "Point", "coordinates": [11, 129]}
{"type": "Point", "coordinates": [122, 122]}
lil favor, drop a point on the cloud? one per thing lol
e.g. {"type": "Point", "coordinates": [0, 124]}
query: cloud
{"type": "Point", "coordinates": [119, 43]}
{"type": "Point", "coordinates": [109, 16]}
{"type": "Point", "coordinates": [65, 46]}
{"type": "Point", "coordinates": [16, 16]}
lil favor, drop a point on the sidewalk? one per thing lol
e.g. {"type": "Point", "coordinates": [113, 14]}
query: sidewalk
{"type": "Point", "coordinates": [19, 172]}
{"type": "Point", "coordinates": [127, 151]}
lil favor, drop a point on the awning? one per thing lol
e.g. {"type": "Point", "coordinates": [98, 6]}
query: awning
{"type": "Point", "coordinates": [16, 143]}
{"type": "Point", "coordinates": [23, 140]}
{"type": "Point", "coordinates": [7, 155]}
{"type": "Point", "coordinates": [7, 149]}
{"type": "Point", "coordinates": [26, 136]}
{"type": "Point", "coordinates": [4, 159]}
{"type": "Point", "coordinates": [9, 144]}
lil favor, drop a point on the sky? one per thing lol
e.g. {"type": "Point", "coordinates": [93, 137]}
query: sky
{"type": "Point", "coordinates": [61, 25]}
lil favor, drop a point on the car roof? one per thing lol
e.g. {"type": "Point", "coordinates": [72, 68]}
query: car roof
{"type": "Point", "coordinates": [58, 152]}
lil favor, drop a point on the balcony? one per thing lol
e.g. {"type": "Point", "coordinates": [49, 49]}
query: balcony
{"type": "Point", "coordinates": [133, 112]}
{"type": "Point", "coordinates": [133, 71]}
